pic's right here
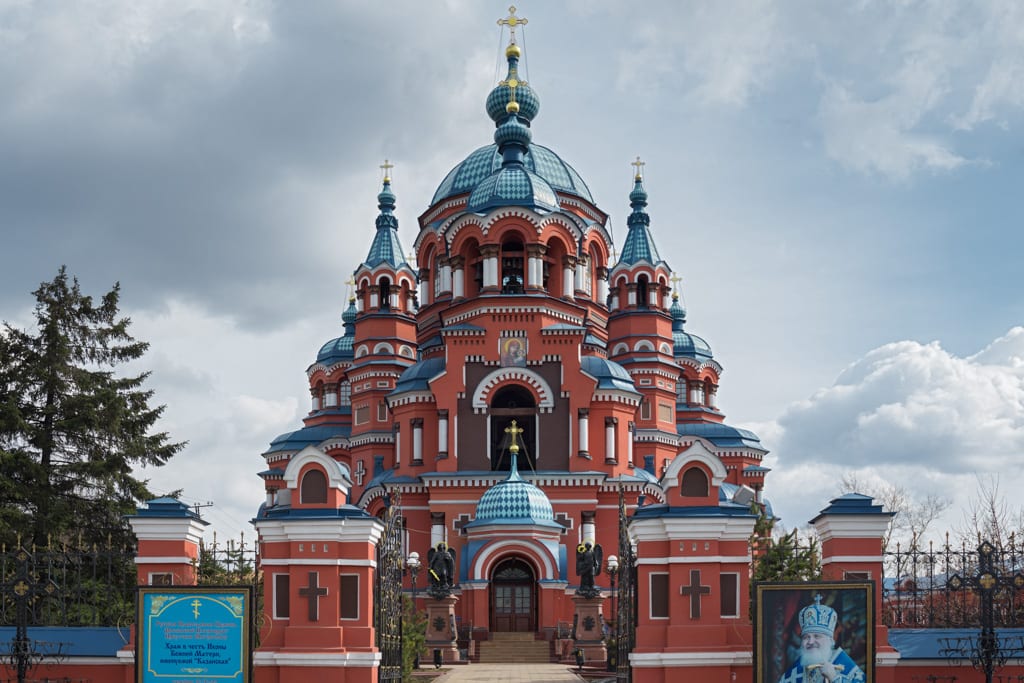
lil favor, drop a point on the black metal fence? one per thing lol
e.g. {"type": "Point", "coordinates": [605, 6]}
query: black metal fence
{"type": "Point", "coordinates": [86, 585]}
{"type": "Point", "coordinates": [954, 585]}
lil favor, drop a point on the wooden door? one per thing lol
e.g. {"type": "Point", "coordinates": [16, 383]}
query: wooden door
{"type": "Point", "coordinates": [513, 598]}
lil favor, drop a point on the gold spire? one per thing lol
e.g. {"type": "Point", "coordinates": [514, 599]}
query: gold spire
{"type": "Point", "coordinates": [512, 21]}
{"type": "Point", "coordinates": [386, 167]}
{"type": "Point", "coordinates": [513, 430]}
{"type": "Point", "coordinates": [639, 165]}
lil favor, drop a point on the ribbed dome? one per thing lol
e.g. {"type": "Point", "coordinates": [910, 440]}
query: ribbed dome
{"type": "Point", "coordinates": [512, 185]}
{"type": "Point", "coordinates": [515, 501]}
{"type": "Point", "coordinates": [486, 160]}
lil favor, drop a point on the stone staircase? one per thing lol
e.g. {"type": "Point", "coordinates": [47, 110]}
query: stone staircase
{"type": "Point", "coordinates": [514, 648]}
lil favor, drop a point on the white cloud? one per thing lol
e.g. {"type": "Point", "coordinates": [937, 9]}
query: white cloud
{"type": "Point", "coordinates": [907, 413]}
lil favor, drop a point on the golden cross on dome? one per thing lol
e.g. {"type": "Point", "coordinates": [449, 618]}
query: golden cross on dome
{"type": "Point", "coordinates": [386, 167]}
{"type": "Point", "coordinates": [352, 288]}
{"type": "Point", "coordinates": [512, 21]}
{"type": "Point", "coordinates": [639, 165]}
{"type": "Point", "coordinates": [675, 285]}
{"type": "Point", "coordinates": [513, 430]}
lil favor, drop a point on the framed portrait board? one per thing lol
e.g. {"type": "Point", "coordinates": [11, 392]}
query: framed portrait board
{"type": "Point", "coordinates": [512, 351]}
{"type": "Point", "coordinates": [802, 628]}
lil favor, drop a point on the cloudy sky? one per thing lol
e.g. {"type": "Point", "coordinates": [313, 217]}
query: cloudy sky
{"type": "Point", "coordinates": [835, 182]}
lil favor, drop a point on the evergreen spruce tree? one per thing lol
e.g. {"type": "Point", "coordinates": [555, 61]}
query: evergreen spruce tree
{"type": "Point", "coordinates": [71, 427]}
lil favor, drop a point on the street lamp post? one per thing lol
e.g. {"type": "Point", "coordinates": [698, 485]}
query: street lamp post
{"type": "Point", "coordinates": [412, 564]}
{"type": "Point", "coordinates": [613, 568]}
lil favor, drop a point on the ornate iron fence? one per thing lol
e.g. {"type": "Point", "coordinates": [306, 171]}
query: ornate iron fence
{"type": "Point", "coordinates": [626, 609]}
{"type": "Point", "coordinates": [387, 614]}
{"type": "Point", "coordinates": [91, 585]}
{"type": "Point", "coordinates": [938, 586]}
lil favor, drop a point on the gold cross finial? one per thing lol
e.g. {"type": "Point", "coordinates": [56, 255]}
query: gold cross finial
{"type": "Point", "coordinates": [386, 167]}
{"type": "Point", "coordinates": [675, 285]}
{"type": "Point", "coordinates": [512, 21]}
{"type": "Point", "coordinates": [514, 430]}
{"type": "Point", "coordinates": [351, 288]}
{"type": "Point", "coordinates": [639, 165]}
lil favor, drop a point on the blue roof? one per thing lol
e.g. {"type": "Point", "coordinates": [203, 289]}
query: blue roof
{"type": "Point", "coordinates": [695, 511]}
{"type": "Point", "coordinates": [609, 374]}
{"type": "Point", "coordinates": [639, 245]}
{"type": "Point", "coordinates": [555, 172]}
{"type": "Point", "coordinates": [684, 343]}
{"type": "Point", "coordinates": [386, 248]}
{"type": "Point", "coordinates": [308, 436]}
{"type": "Point", "coordinates": [720, 434]}
{"type": "Point", "coordinates": [417, 377]}
{"type": "Point", "coordinates": [853, 504]}
{"type": "Point", "coordinates": [929, 643]}
{"type": "Point", "coordinates": [76, 641]}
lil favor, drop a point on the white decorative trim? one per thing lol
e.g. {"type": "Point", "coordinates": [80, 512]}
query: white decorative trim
{"type": "Point", "coordinates": [538, 551]}
{"type": "Point", "coordinates": [353, 659]}
{"type": "Point", "coordinates": [295, 561]}
{"type": "Point", "coordinates": [690, 659]}
{"type": "Point", "coordinates": [496, 377]}
{"type": "Point", "coordinates": [852, 558]}
{"type": "Point", "coordinates": [187, 529]}
{"type": "Point", "coordinates": [338, 474]}
{"type": "Point", "coordinates": [341, 530]}
{"type": "Point", "coordinates": [851, 526]}
{"type": "Point", "coordinates": [696, 559]}
{"type": "Point", "coordinates": [184, 559]}
{"type": "Point", "coordinates": [697, 452]}
{"type": "Point", "coordinates": [720, 528]}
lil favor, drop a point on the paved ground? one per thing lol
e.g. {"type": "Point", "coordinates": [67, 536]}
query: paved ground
{"type": "Point", "coordinates": [509, 673]}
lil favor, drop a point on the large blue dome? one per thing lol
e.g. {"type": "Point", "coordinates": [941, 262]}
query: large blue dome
{"type": "Point", "coordinates": [539, 160]}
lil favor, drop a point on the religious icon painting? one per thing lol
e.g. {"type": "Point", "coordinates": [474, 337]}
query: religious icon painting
{"type": "Point", "coordinates": [814, 632]}
{"type": "Point", "coordinates": [512, 351]}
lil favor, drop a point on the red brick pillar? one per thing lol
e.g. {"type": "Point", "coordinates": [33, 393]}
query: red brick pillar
{"type": "Point", "coordinates": [168, 532]}
{"type": "Point", "coordinates": [851, 530]}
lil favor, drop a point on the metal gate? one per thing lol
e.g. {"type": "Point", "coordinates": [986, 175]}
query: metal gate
{"type": "Point", "coordinates": [387, 608]}
{"type": "Point", "coordinates": [625, 626]}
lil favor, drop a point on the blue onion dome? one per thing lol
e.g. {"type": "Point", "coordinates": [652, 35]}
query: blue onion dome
{"type": "Point", "coordinates": [685, 344]}
{"type": "Point", "coordinates": [386, 247]}
{"type": "Point", "coordinates": [514, 501]}
{"type": "Point", "coordinates": [639, 244]}
{"type": "Point", "coordinates": [486, 160]}
{"type": "Point", "coordinates": [514, 91]}
{"type": "Point", "coordinates": [513, 132]}
{"type": "Point", "coordinates": [341, 348]}
{"type": "Point", "coordinates": [513, 185]}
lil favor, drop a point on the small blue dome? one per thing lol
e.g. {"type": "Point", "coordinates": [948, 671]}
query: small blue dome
{"type": "Point", "coordinates": [515, 501]}
{"type": "Point", "coordinates": [684, 343]}
{"type": "Point", "coordinates": [340, 348]}
{"type": "Point", "coordinates": [526, 98]}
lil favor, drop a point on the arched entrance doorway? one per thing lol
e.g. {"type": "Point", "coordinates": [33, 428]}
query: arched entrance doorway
{"type": "Point", "coordinates": [513, 597]}
{"type": "Point", "coordinates": [513, 402]}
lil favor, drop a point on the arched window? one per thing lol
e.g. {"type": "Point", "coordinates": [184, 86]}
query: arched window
{"type": "Point", "coordinates": [385, 294]}
{"type": "Point", "coordinates": [694, 484]}
{"type": "Point", "coordinates": [314, 487]}
{"type": "Point", "coordinates": [513, 274]}
{"type": "Point", "coordinates": [510, 403]}
{"type": "Point", "coordinates": [642, 298]}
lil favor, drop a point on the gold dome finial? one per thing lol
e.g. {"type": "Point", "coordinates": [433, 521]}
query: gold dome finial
{"type": "Point", "coordinates": [512, 107]}
{"type": "Point", "coordinates": [639, 165]}
{"type": "Point", "coordinates": [512, 21]}
{"type": "Point", "coordinates": [513, 430]}
{"type": "Point", "coordinates": [386, 167]}
{"type": "Point", "coordinates": [675, 286]}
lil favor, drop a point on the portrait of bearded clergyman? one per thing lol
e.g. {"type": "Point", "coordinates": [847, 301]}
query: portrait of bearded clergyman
{"type": "Point", "coordinates": [815, 633]}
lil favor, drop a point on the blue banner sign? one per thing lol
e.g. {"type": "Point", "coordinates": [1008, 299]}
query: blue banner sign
{"type": "Point", "coordinates": [193, 635]}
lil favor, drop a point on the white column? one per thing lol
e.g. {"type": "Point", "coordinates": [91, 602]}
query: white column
{"type": "Point", "coordinates": [581, 275]}
{"type": "Point", "coordinates": [491, 271]}
{"type": "Point", "coordinates": [436, 529]}
{"type": "Point", "coordinates": [652, 295]}
{"type": "Point", "coordinates": [631, 296]}
{"type": "Point", "coordinates": [629, 444]}
{"type": "Point", "coordinates": [417, 441]}
{"type": "Point", "coordinates": [424, 290]}
{"type": "Point", "coordinates": [533, 270]}
{"type": "Point", "coordinates": [587, 529]}
{"type": "Point", "coordinates": [459, 277]}
{"type": "Point", "coordinates": [442, 433]}
{"type": "Point", "coordinates": [609, 438]}
{"type": "Point", "coordinates": [666, 300]}
{"type": "Point", "coordinates": [584, 427]}
{"type": "Point", "coordinates": [602, 290]}
{"type": "Point", "coordinates": [373, 299]}
{"type": "Point", "coordinates": [446, 278]}
{"type": "Point", "coordinates": [614, 303]}
{"type": "Point", "coordinates": [398, 447]}
{"type": "Point", "coordinates": [567, 282]}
